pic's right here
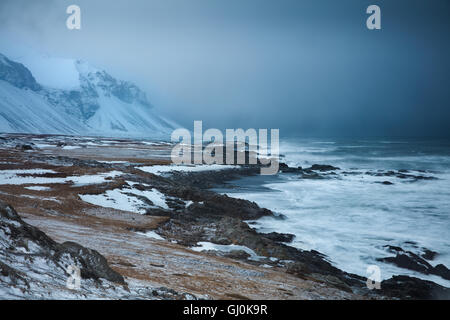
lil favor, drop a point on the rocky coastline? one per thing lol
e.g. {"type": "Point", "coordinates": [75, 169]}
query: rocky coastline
{"type": "Point", "coordinates": [193, 216]}
{"type": "Point", "coordinates": [220, 219]}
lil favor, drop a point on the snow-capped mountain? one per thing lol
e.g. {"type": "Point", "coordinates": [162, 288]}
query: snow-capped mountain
{"type": "Point", "coordinates": [97, 104]}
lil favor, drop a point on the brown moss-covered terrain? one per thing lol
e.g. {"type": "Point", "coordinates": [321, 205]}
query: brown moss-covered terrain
{"type": "Point", "coordinates": [93, 197]}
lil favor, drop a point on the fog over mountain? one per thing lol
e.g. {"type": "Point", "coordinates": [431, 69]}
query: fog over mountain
{"type": "Point", "coordinates": [95, 103]}
{"type": "Point", "coordinates": [310, 68]}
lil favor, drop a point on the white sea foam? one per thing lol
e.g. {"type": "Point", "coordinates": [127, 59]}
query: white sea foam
{"type": "Point", "coordinates": [351, 217]}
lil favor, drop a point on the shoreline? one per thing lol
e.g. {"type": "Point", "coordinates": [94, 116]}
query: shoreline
{"type": "Point", "coordinates": [265, 192]}
{"type": "Point", "coordinates": [194, 215]}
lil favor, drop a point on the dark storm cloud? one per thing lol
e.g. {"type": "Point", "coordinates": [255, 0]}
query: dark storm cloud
{"type": "Point", "coordinates": [306, 67]}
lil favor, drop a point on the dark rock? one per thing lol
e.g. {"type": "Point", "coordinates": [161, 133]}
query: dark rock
{"type": "Point", "coordinates": [311, 175]}
{"type": "Point", "coordinates": [140, 187]}
{"type": "Point", "coordinates": [401, 174]}
{"type": "Point", "coordinates": [166, 294]}
{"type": "Point", "coordinates": [393, 249]}
{"type": "Point", "coordinates": [14, 275]}
{"type": "Point", "coordinates": [222, 205]}
{"type": "Point", "coordinates": [322, 168]}
{"type": "Point", "coordinates": [92, 264]}
{"type": "Point", "coordinates": [410, 261]}
{"type": "Point", "coordinates": [157, 212]}
{"type": "Point", "coordinates": [175, 204]}
{"type": "Point", "coordinates": [237, 254]}
{"type": "Point", "coordinates": [284, 168]}
{"type": "Point", "coordinates": [279, 237]}
{"type": "Point", "coordinates": [442, 271]}
{"type": "Point", "coordinates": [387, 183]}
{"type": "Point", "coordinates": [24, 147]}
{"type": "Point", "coordinates": [404, 287]}
{"type": "Point", "coordinates": [429, 254]}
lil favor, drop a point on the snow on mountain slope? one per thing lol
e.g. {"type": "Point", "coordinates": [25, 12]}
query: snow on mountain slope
{"type": "Point", "coordinates": [97, 104]}
{"type": "Point", "coordinates": [23, 111]}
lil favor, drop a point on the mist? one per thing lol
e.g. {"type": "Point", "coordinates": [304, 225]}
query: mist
{"type": "Point", "coordinates": [308, 68]}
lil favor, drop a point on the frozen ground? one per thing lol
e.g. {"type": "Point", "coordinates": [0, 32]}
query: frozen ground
{"type": "Point", "coordinates": [94, 196]}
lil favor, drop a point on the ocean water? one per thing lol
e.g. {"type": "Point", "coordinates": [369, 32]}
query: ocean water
{"type": "Point", "coordinates": [351, 216]}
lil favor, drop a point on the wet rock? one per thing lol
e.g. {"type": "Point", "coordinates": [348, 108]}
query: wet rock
{"type": "Point", "coordinates": [442, 271]}
{"type": "Point", "coordinates": [387, 183]}
{"type": "Point", "coordinates": [393, 249]}
{"type": "Point", "coordinates": [322, 168]}
{"type": "Point", "coordinates": [404, 287]}
{"type": "Point", "coordinates": [310, 175]}
{"type": "Point", "coordinates": [411, 261]}
{"type": "Point", "coordinates": [401, 174]}
{"type": "Point", "coordinates": [284, 168]}
{"type": "Point", "coordinates": [429, 254]}
{"type": "Point", "coordinates": [185, 232]}
{"type": "Point", "coordinates": [279, 237]}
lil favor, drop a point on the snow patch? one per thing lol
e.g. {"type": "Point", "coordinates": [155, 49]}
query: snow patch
{"type": "Point", "coordinates": [205, 246]}
{"type": "Point", "coordinates": [71, 147]}
{"type": "Point", "coordinates": [127, 199]}
{"type": "Point", "coordinates": [151, 234]}
{"type": "Point", "coordinates": [38, 188]}
{"type": "Point", "coordinates": [19, 177]}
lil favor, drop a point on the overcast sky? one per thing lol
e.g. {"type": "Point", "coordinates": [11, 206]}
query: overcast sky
{"type": "Point", "coordinates": [309, 68]}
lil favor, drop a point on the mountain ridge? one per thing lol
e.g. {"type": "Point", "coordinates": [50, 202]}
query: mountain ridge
{"type": "Point", "coordinates": [101, 105]}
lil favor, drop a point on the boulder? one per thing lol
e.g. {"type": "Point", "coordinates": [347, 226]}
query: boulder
{"type": "Point", "coordinates": [21, 237]}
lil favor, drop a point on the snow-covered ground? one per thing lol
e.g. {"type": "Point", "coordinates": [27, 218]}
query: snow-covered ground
{"type": "Point", "coordinates": [206, 246]}
{"type": "Point", "coordinates": [127, 199]}
{"type": "Point", "coordinates": [31, 176]}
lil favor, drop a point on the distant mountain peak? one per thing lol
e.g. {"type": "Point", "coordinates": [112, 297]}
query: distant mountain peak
{"type": "Point", "coordinates": [99, 104]}
{"type": "Point", "coordinates": [84, 68]}
{"type": "Point", "coordinates": [103, 83]}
